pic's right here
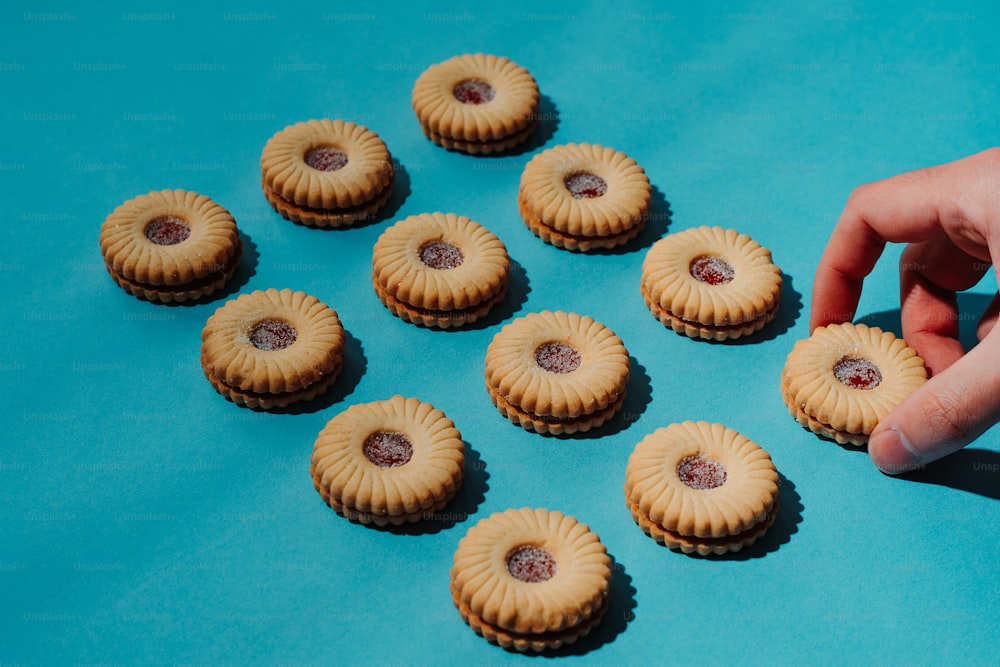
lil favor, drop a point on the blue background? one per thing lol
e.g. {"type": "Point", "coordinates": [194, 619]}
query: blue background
{"type": "Point", "coordinates": [146, 520]}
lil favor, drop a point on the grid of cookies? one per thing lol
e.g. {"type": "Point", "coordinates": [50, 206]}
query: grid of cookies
{"type": "Point", "coordinates": [528, 579]}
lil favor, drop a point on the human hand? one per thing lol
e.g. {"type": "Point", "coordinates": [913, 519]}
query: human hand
{"type": "Point", "coordinates": [949, 216]}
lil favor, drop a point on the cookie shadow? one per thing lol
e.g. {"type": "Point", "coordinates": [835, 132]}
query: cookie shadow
{"type": "Point", "coordinates": [401, 191]}
{"type": "Point", "coordinates": [972, 470]}
{"type": "Point", "coordinates": [518, 289]}
{"type": "Point", "coordinates": [465, 504]}
{"type": "Point", "coordinates": [786, 524]}
{"type": "Point", "coordinates": [637, 399]}
{"type": "Point", "coordinates": [789, 310]}
{"type": "Point", "coordinates": [351, 373]}
{"type": "Point", "coordinates": [620, 611]}
{"type": "Point", "coordinates": [241, 276]}
{"type": "Point", "coordinates": [657, 223]}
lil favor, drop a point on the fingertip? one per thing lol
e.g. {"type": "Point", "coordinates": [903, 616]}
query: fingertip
{"type": "Point", "coordinates": [891, 452]}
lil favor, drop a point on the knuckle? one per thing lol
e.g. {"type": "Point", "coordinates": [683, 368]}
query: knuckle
{"type": "Point", "coordinates": [948, 417]}
{"type": "Point", "coordinates": [861, 194]}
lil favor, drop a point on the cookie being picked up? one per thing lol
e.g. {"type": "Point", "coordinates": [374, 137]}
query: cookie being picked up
{"type": "Point", "coordinates": [842, 380]}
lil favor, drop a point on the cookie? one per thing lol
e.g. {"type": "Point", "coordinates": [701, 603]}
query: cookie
{"type": "Point", "coordinates": [170, 246]}
{"type": "Point", "coordinates": [711, 283]}
{"type": "Point", "coordinates": [326, 173]}
{"type": "Point", "coordinates": [701, 488]}
{"type": "Point", "coordinates": [476, 103]}
{"type": "Point", "coordinates": [439, 269]}
{"type": "Point", "coordinates": [531, 579]}
{"type": "Point", "coordinates": [842, 380]}
{"type": "Point", "coordinates": [269, 349]}
{"type": "Point", "coordinates": [388, 462]}
{"type": "Point", "coordinates": [584, 196]}
{"type": "Point", "coordinates": [557, 372]}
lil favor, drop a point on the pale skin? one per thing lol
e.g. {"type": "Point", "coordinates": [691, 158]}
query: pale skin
{"type": "Point", "coordinates": [949, 217]}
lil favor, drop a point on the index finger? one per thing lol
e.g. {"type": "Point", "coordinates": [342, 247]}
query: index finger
{"type": "Point", "coordinates": [902, 209]}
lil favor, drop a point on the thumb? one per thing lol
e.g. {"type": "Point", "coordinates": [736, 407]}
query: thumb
{"type": "Point", "coordinates": [945, 414]}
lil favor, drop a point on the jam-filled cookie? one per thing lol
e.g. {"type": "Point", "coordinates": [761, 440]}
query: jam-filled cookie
{"type": "Point", "coordinates": [843, 379]}
{"type": "Point", "coordinates": [711, 283]}
{"type": "Point", "coordinates": [701, 488]}
{"type": "Point", "coordinates": [531, 579]}
{"type": "Point", "coordinates": [269, 349]}
{"type": "Point", "coordinates": [326, 173]}
{"type": "Point", "coordinates": [584, 196]}
{"type": "Point", "coordinates": [476, 103]}
{"type": "Point", "coordinates": [557, 372]}
{"type": "Point", "coordinates": [439, 269]}
{"type": "Point", "coordinates": [388, 462]}
{"type": "Point", "coordinates": [170, 246]}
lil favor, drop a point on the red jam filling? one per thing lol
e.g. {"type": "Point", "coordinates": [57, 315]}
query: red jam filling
{"type": "Point", "coordinates": [858, 373]}
{"type": "Point", "coordinates": [167, 230]}
{"type": "Point", "coordinates": [584, 185]}
{"type": "Point", "coordinates": [702, 473]}
{"type": "Point", "coordinates": [531, 564]}
{"type": "Point", "coordinates": [558, 358]}
{"type": "Point", "coordinates": [441, 255]}
{"type": "Point", "coordinates": [712, 270]}
{"type": "Point", "coordinates": [325, 158]}
{"type": "Point", "coordinates": [271, 335]}
{"type": "Point", "coordinates": [388, 449]}
{"type": "Point", "coordinates": [474, 91]}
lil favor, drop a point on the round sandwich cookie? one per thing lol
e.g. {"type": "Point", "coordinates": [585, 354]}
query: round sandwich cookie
{"type": "Point", "coordinates": [842, 380]}
{"type": "Point", "coordinates": [531, 579]}
{"type": "Point", "coordinates": [557, 372]}
{"type": "Point", "coordinates": [388, 462]}
{"type": "Point", "coordinates": [170, 246]}
{"type": "Point", "coordinates": [439, 270]}
{"type": "Point", "coordinates": [269, 349]}
{"type": "Point", "coordinates": [711, 283]}
{"type": "Point", "coordinates": [476, 103]}
{"type": "Point", "coordinates": [326, 173]}
{"type": "Point", "coordinates": [583, 197]}
{"type": "Point", "coordinates": [700, 487]}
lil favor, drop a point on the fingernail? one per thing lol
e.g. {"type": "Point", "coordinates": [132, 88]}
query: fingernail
{"type": "Point", "coordinates": [893, 453]}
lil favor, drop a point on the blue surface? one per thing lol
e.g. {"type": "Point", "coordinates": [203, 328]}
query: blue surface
{"type": "Point", "coordinates": [145, 520]}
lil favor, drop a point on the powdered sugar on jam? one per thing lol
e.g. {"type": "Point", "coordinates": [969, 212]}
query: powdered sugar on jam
{"type": "Point", "coordinates": [167, 230]}
{"type": "Point", "coordinates": [474, 91]}
{"type": "Point", "coordinates": [388, 449]}
{"type": "Point", "coordinates": [271, 335]}
{"type": "Point", "coordinates": [702, 473]}
{"type": "Point", "coordinates": [531, 564]}
{"type": "Point", "coordinates": [325, 158]}
{"type": "Point", "coordinates": [712, 270]}
{"type": "Point", "coordinates": [441, 255]}
{"type": "Point", "coordinates": [584, 185]}
{"type": "Point", "coordinates": [558, 357]}
{"type": "Point", "coordinates": [858, 372]}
